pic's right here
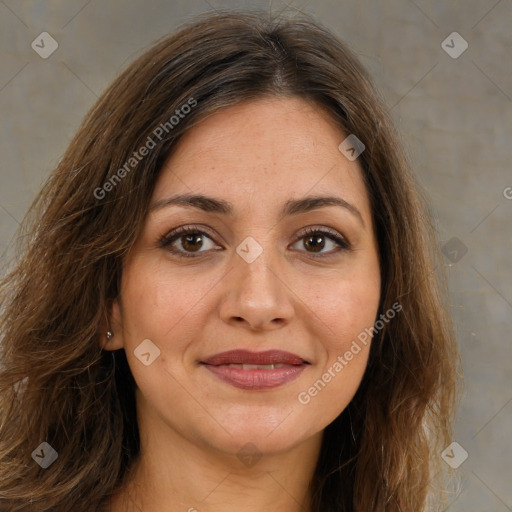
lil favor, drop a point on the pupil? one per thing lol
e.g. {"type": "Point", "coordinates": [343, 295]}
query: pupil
{"type": "Point", "coordinates": [317, 244]}
{"type": "Point", "coordinates": [189, 239]}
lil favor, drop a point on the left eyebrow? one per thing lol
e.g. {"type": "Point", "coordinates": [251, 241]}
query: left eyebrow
{"type": "Point", "coordinates": [223, 207]}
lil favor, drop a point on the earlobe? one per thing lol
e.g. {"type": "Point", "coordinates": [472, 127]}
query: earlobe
{"type": "Point", "coordinates": [110, 330]}
{"type": "Point", "coordinates": [110, 342]}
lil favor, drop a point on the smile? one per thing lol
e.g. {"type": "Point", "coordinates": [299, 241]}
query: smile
{"type": "Point", "coordinates": [255, 370]}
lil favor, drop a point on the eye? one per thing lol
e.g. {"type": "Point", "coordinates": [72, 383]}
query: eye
{"type": "Point", "coordinates": [315, 239]}
{"type": "Point", "coordinates": [190, 238]}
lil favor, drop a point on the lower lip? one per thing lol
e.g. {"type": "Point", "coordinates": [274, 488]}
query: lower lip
{"type": "Point", "coordinates": [256, 379]}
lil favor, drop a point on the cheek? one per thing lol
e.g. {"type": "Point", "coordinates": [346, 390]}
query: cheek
{"type": "Point", "coordinates": [346, 348]}
{"type": "Point", "coordinates": [346, 313]}
{"type": "Point", "coordinates": [347, 307]}
{"type": "Point", "coordinates": [156, 301]}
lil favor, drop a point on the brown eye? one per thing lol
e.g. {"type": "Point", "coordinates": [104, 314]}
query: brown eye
{"type": "Point", "coordinates": [191, 242]}
{"type": "Point", "coordinates": [315, 240]}
{"type": "Point", "coordinates": [186, 241]}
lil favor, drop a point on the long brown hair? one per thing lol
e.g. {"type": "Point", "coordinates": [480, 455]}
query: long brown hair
{"type": "Point", "coordinates": [59, 386]}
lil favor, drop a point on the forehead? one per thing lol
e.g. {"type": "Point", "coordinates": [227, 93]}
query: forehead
{"type": "Point", "coordinates": [263, 152]}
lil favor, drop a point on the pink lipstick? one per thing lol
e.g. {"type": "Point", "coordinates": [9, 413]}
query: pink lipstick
{"type": "Point", "coordinates": [256, 370]}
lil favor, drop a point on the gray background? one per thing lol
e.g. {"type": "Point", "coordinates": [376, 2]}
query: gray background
{"type": "Point", "coordinates": [455, 116]}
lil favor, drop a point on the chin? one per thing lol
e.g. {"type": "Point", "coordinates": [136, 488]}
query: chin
{"type": "Point", "coordinates": [266, 432]}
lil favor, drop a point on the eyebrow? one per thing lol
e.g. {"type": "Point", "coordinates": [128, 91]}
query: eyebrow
{"type": "Point", "coordinates": [223, 207]}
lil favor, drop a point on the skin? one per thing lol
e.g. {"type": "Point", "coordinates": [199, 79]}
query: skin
{"type": "Point", "coordinates": [256, 155]}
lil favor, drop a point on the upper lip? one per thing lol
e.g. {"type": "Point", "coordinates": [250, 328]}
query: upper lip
{"type": "Point", "coordinates": [248, 357]}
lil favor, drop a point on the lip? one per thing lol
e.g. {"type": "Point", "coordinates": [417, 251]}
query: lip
{"type": "Point", "coordinates": [290, 367]}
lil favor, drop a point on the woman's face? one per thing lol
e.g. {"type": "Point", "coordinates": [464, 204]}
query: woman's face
{"type": "Point", "coordinates": [249, 285]}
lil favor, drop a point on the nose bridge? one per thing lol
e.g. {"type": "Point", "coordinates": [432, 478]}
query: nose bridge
{"type": "Point", "coordinates": [256, 267]}
{"type": "Point", "coordinates": [256, 292]}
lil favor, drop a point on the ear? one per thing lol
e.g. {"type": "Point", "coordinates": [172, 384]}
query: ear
{"type": "Point", "coordinates": [112, 323]}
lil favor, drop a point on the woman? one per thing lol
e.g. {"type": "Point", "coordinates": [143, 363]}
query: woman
{"type": "Point", "coordinates": [227, 299]}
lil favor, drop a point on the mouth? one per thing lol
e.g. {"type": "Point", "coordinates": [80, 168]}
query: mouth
{"type": "Point", "coordinates": [256, 370]}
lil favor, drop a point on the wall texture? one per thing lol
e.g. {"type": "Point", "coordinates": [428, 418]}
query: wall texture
{"type": "Point", "coordinates": [452, 104]}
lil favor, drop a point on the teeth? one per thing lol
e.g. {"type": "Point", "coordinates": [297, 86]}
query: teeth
{"type": "Point", "coordinates": [255, 366]}
{"type": "Point", "coordinates": [258, 366]}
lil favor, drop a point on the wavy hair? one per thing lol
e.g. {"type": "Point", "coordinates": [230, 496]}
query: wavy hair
{"type": "Point", "coordinates": [56, 382]}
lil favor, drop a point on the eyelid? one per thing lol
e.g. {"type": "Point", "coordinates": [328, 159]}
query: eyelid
{"type": "Point", "coordinates": [334, 234]}
{"type": "Point", "coordinates": [183, 230]}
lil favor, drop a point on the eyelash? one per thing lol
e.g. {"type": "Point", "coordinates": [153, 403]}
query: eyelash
{"type": "Point", "coordinates": [176, 234]}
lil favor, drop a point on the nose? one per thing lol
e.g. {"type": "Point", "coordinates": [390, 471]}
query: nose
{"type": "Point", "coordinates": [256, 294]}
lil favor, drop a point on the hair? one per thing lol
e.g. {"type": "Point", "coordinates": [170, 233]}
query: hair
{"type": "Point", "coordinates": [56, 382]}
